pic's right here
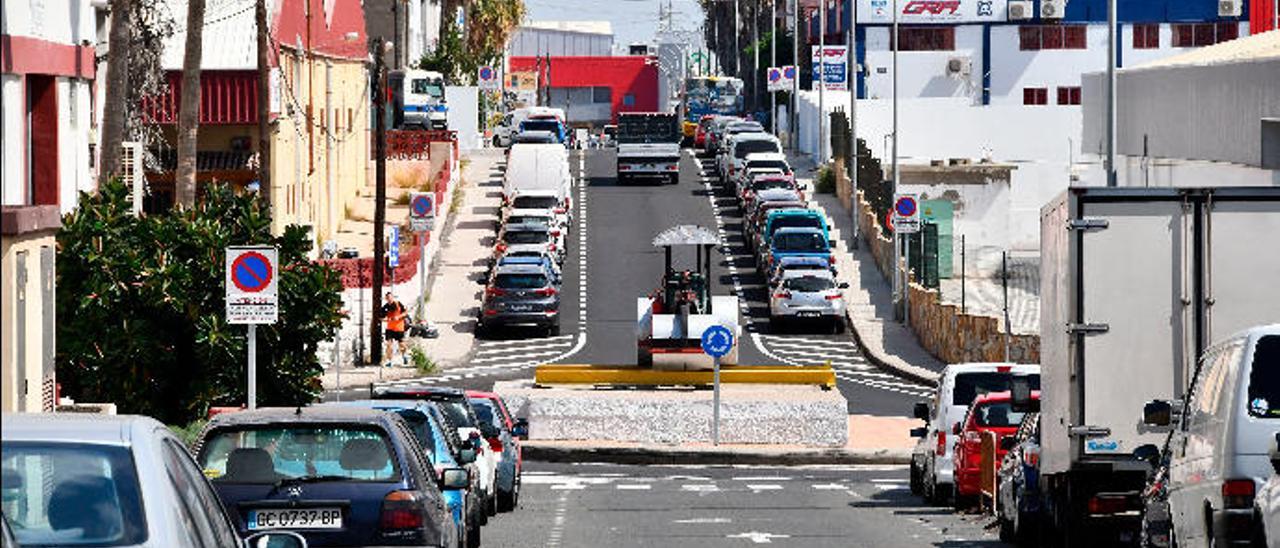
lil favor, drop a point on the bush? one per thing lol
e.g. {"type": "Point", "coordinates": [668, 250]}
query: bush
{"type": "Point", "coordinates": [421, 361]}
{"type": "Point", "coordinates": [190, 432]}
{"type": "Point", "coordinates": [141, 307]}
{"type": "Point", "coordinates": [825, 183]}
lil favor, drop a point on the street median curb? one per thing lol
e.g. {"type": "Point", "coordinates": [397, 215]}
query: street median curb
{"type": "Point", "coordinates": [555, 452]}
{"type": "Point", "coordinates": [916, 374]}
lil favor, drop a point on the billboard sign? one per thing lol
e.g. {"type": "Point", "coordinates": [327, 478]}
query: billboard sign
{"type": "Point", "coordinates": [933, 11]}
{"type": "Point", "coordinates": [835, 66]}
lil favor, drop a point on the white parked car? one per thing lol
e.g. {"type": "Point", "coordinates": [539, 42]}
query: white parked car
{"type": "Point", "coordinates": [1219, 452]}
{"type": "Point", "coordinates": [932, 460]}
{"type": "Point", "coordinates": [555, 202]}
{"type": "Point", "coordinates": [801, 295]}
{"type": "Point", "coordinates": [744, 144]}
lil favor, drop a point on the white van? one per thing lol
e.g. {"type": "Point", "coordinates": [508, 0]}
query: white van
{"type": "Point", "coordinates": [510, 125]}
{"type": "Point", "coordinates": [932, 461]}
{"type": "Point", "coordinates": [1219, 450]}
{"type": "Point", "coordinates": [537, 166]}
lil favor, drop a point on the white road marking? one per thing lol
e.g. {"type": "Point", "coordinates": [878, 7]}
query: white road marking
{"type": "Point", "coordinates": [703, 521]}
{"type": "Point", "coordinates": [758, 487]}
{"type": "Point", "coordinates": [758, 537]}
{"type": "Point", "coordinates": [633, 487]}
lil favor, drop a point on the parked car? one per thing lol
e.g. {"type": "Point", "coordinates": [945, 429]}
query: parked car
{"type": "Point", "coordinates": [1018, 508]}
{"type": "Point", "coordinates": [532, 237]}
{"type": "Point", "coordinates": [755, 216]}
{"type": "Point", "coordinates": [791, 264]}
{"type": "Point", "coordinates": [745, 144]}
{"type": "Point", "coordinates": [536, 216]}
{"type": "Point", "coordinates": [464, 451]}
{"type": "Point", "coordinates": [797, 242]}
{"type": "Point", "coordinates": [556, 200]}
{"type": "Point", "coordinates": [716, 132]}
{"type": "Point", "coordinates": [462, 416]}
{"type": "Point", "coordinates": [765, 181]}
{"type": "Point", "coordinates": [535, 258]}
{"type": "Point", "coordinates": [808, 295]}
{"type": "Point", "coordinates": [992, 413]}
{"type": "Point", "coordinates": [960, 384]}
{"type": "Point", "coordinates": [490, 408]}
{"type": "Point", "coordinates": [339, 476]}
{"type": "Point", "coordinates": [7, 540]}
{"type": "Point", "coordinates": [463, 504]}
{"type": "Point", "coordinates": [1218, 453]}
{"type": "Point", "coordinates": [110, 480]}
{"type": "Point", "coordinates": [1267, 503]}
{"type": "Point", "coordinates": [521, 294]}
{"type": "Point", "coordinates": [550, 125]}
{"type": "Point", "coordinates": [758, 163]}
{"type": "Point", "coordinates": [777, 219]}
{"type": "Point", "coordinates": [700, 135]}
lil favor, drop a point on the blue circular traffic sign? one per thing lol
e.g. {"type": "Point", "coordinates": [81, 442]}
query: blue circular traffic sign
{"type": "Point", "coordinates": [251, 272]}
{"type": "Point", "coordinates": [421, 205]}
{"type": "Point", "coordinates": [717, 341]}
{"type": "Point", "coordinates": [906, 206]}
{"type": "Point", "coordinates": [486, 73]}
{"type": "Point", "coordinates": [789, 71]}
{"type": "Point", "coordinates": [775, 75]}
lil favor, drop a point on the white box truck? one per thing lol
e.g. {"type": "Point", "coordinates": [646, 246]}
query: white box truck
{"type": "Point", "coordinates": [1135, 284]}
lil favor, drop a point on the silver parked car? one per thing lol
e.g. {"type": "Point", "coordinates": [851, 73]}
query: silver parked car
{"type": "Point", "coordinates": [110, 480]}
{"type": "Point", "coordinates": [808, 295]}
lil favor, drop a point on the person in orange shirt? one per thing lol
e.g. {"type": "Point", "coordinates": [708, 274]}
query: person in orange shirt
{"type": "Point", "coordinates": [397, 320]}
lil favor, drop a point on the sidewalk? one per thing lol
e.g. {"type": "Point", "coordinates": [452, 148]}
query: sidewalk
{"type": "Point", "coordinates": [887, 343]}
{"type": "Point", "coordinates": [453, 294]}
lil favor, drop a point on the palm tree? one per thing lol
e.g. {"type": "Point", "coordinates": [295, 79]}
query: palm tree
{"type": "Point", "coordinates": [189, 108]}
{"type": "Point", "coordinates": [114, 110]}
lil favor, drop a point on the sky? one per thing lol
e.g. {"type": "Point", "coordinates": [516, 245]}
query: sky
{"type": "Point", "coordinates": [633, 20]}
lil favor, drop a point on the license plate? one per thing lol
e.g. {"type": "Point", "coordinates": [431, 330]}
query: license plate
{"type": "Point", "coordinates": [808, 314]}
{"type": "Point", "coordinates": [295, 518]}
{"type": "Point", "coordinates": [521, 307]}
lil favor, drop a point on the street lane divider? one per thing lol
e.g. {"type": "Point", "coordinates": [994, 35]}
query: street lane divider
{"type": "Point", "coordinates": [550, 374]}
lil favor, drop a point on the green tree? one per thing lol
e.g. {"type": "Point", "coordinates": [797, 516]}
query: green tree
{"type": "Point", "coordinates": [487, 24]}
{"type": "Point", "coordinates": [140, 307]}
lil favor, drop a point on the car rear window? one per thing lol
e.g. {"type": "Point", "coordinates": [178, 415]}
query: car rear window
{"type": "Point", "coordinates": [526, 237]}
{"type": "Point", "coordinates": [766, 184]}
{"type": "Point", "coordinates": [540, 125]}
{"type": "Point", "coordinates": [795, 221]}
{"type": "Point", "coordinates": [754, 146]}
{"type": "Point", "coordinates": [809, 284]}
{"type": "Point", "coordinates": [520, 281]}
{"type": "Point", "coordinates": [971, 385]}
{"type": "Point", "coordinates": [799, 242]}
{"type": "Point", "coordinates": [271, 453]}
{"type": "Point", "coordinates": [528, 219]}
{"type": "Point", "coordinates": [534, 202]}
{"type": "Point", "coordinates": [1264, 378]}
{"type": "Point", "coordinates": [770, 164]}
{"type": "Point", "coordinates": [488, 419]}
{"type": "Point", "coordinates": [71, 494]}
{"type": "Point", "coordinates": [999, 414]}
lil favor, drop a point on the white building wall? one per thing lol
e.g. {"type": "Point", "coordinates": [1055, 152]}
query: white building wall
{"type": "Point", "coordinates": [12, 146]}
{"type": "Point", "coordinates": [73, 141]}
{"type": "Point", "coordinates": [923, 73]}
{"type": "Point", "coordinates": [66, 22]}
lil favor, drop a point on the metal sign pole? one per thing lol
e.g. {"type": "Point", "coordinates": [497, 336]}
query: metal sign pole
{"type": "Point", "coordinates": [337, 361]}
{"type": "Point", "coordinates": [422, 277]}
{"type": "Point", "coordinates": [715, 421]}
{"type": "Point", "coordinates": [253, 367]}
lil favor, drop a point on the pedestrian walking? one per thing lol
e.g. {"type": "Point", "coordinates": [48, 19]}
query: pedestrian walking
{"type": "Point", "coordinates": [397, 319]}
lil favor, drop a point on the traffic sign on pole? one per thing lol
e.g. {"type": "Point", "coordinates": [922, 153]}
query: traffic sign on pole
{"type": "Point", "coordinates": [251, 293]}
{"type": "Point", "coordinates": [776, 81]}
{"type": "Point", "coordinates": [393, 248]}
{"type": "Point", "coordinates": [906, 214]}
{"type": "Point", "coordinates": [422, 211]}
{"type": "Point", "coordinates": [717, 342]}
{"type": "Point", "coordinates": [488, 78]}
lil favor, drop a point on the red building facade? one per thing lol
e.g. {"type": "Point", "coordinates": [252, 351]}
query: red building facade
{"type": "Point", "coordinates": [632, 81]}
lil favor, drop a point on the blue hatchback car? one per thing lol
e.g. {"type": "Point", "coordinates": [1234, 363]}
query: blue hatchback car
{"type": "Point", "coordinates": [339, 476]}
{"type": "Point", "coordinates": [425, 424]}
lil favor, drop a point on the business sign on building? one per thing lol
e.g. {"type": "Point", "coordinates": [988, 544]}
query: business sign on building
{"type": "Point", "coordinates": [933, 11]}
{"type": "Point", "coordinates": [835, 66]}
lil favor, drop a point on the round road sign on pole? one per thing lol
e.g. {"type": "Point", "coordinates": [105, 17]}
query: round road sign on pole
{"type": "Point", "coordinates": [421, 205]}
{"type": "Point", "coordinates": [717, 341]}
{"type": "Point", "coordinates": [906, 206]}
{"type": "Point", "coordinates": [251, 272]}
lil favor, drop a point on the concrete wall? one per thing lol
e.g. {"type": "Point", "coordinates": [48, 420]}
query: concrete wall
{"type": "Point", "coordinates": [983, 210]}
{"type": "Point", "coordinates": [1209, 112]}
{"type": "Point", "coordinates": [26, 319]}
{"type": "Point", "coordinates": [315, 191]}
{"type": "Point", "coordinates": [464, 117]}
{"type": "Point", "coordinates": [65, 22]}
{"type": "Point", "coordinates": [923, 73]}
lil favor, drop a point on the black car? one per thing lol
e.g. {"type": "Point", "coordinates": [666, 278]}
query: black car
{"type": "Point", "coordinates": [1018, 507]}
{"type": "Point", "coordinates": [339, 476]}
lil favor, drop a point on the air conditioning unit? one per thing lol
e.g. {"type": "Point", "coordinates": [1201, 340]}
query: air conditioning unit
{"type": "Point", "coordinates": [959, 67]}
{"type": "Point", "coordinates": [132, 173]}
{"type": "Point", "coordinates": [1052, 9]}
{"type": "Point", "coordinates": [1019, 10]}
{"type": "Point", "coordinates": [1229, 8]}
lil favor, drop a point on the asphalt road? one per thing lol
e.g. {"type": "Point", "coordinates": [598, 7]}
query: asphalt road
{"type": "Point", "coordinates": [616, 505]}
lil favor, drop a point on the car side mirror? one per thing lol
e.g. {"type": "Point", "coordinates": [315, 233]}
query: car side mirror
{"type": "Point", "coordinates": [466, 456]}
{"type": "Point", "coordinates": [955, 429]}
{"type": "Point", "coordinates": [1157, 413]}
{"type": "Point", "coordinates": [919, 432]}
{"type": "Point", "coordinates": [521, 429]}
{"type": "Point", "coordinates": [920, 411]}
{"type": "Point", "coordinates": [843, 285]}
{"type": "Point", "coordinates": [455, 478]}
{"type": "Point", "coordinates": [276, 539]}
{"type": "Point", "coordinates": [1020, 400]}
{"type": "Point", "coordinates": [1008, 442]}
{"type": "Point", "coordinates": [1149, 454]}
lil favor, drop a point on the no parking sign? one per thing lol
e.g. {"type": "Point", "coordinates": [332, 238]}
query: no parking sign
{"type": "Point", "coordinates": [252, 296]}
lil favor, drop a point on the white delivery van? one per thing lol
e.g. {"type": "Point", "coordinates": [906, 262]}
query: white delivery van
{"type": "Point", "coordinates": [932, 462]}
{"type": "Point", "coordinates": [538, 166]}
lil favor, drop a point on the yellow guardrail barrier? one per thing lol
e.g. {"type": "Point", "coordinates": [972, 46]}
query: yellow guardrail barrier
{"type": "Point", "coordinates": [547, 374]}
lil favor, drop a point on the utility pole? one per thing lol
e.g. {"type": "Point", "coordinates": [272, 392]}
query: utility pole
{"type": "Point", "coordinates": [755, 61]}
{"type": "Point", "coordinates": [773, 62]}
{"type": "Point", "coordinates": [264, 99]}
{"type": "Point", "coordinates": [795, 61]}
{"type": "Point", "coordinates": [379, 196]}
{"type": "Point", "coordinates": [898, 284]}
{"type": "Point", "coordinates": [1111, 92]}
{"type": "Point", "coordinates": [821, 79]}
{"type": "Point", "coordinates": [853, 72]}
{"type": "Point", "coordinates": [737, 42]}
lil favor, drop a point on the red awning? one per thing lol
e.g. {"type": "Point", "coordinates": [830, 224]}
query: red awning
{"type": "Point", "coordinates": [226, 97]}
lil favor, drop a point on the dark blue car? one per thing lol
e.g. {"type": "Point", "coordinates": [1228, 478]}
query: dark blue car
{"type": "Point", "coordinates": [339, 476]}
{"type": "Point", "coordinates": [1018, 508]}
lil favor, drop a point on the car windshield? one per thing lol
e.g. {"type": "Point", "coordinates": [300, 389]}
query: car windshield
{"type": "Point", "coordinates": [804, 241]}
{"type": "Point", "coordinates": [809, 284]}
{"type": "Point", "coordinates": [540, 125]}
{"type": "Point", "coordinates": [428, 86]}
{"type": "Point", "coordinates": [534, 202]}
{"type": "Point", "coordinates": [754, 146]}
{"type": "Point", "coordinates": [526, 237]}
{"type": "Point", "coordinates": [1264, 378]}
{"type": "Point", "coordinates": [971, 385]}
{"type": "Point", "coordinates": [795, 221]}
{"type": "Point", "coordinates": [770, 164]}
{"type": "Point", "coordinates": [270, 453]}
{"type": "Point", "coordinates": [71, 494]}
{"type": "Point", "coordinates": [520, 281]}
{"type": "Point", "coordinates": [528, 219]}
{"type": "Point", "coordinates": [488, 421]}
{"type": "Point", "coordinates": [767, 184]}
{"type": "Point", "coordinates": [997, 414]}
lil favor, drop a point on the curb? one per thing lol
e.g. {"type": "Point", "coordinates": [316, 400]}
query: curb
{"type": "Point", "coordinates": [549, 452]}
{"type": "Point", "coordinates": [882, 363]}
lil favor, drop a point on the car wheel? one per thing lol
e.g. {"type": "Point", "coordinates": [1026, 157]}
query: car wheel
{"type": "Point", "coordinates": [553, 330]}
{"type": "Point", "coordinates": [473, 536]}
{"type": "Point", "coordinates": [492, 507]}
{"type": "Point", "coordinates": [1008, 532]}
{"type": "Point", "coordinates": [917, 487]}
{"type": "Point", "coordinates": [674, 178]}
{"type": "Point", "coordinates": [507, 500]}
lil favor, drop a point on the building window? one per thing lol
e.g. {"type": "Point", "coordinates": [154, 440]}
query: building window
{"type": "Point", "coordinates": [601, 94]}
{"type": "Point", "coordinates": [629, 100]}
{"type": "Point", "coordinates": [1146, 36]}
{"type": "Point", "coordinates": [1194, 35]}
{"type": "Point", "coordinates": [1038, 37]}
{"type": "Point", "coordinates": [1035, 96]}
{"type": "Point", "coordinates": [1069, 95]}
{"type": "Point", "coordinates": [927, 38]}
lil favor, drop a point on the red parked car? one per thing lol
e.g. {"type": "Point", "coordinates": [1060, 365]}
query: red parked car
{"type": "Point", "coordinates": [700, 135]}
{"type": "Point", "coordinates": [991, 412]}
